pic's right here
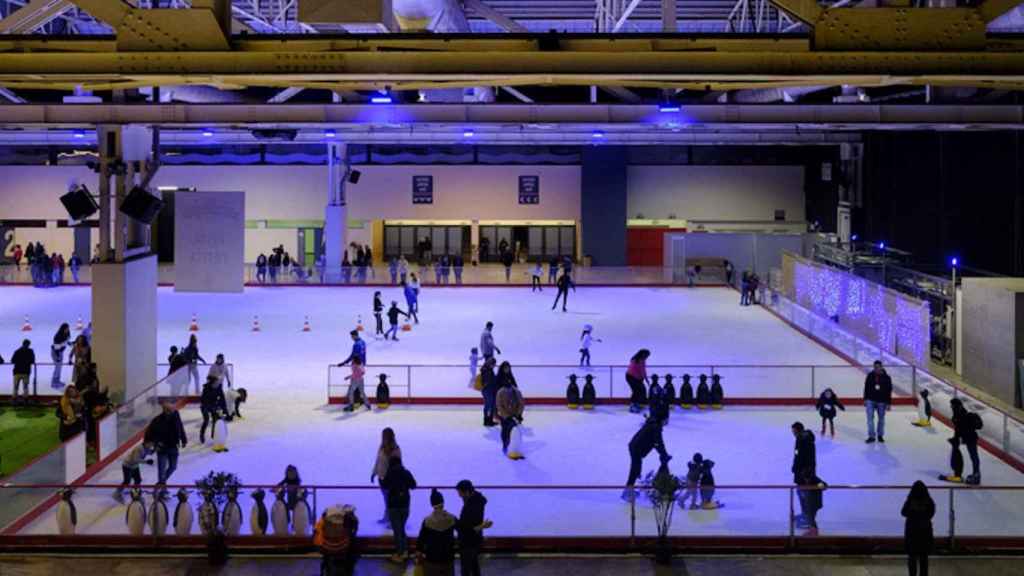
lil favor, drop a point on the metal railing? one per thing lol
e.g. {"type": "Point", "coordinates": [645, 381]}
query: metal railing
{"type": "Point", "coordinates": [553, 511]}
{"type": "Point", "coordinates": [1001, 430]}
{"type": "Point", "coordinates": [484, 274]}
{"type": "Point", "coordinates": [47, 380]}
{"type": "Point", "coordinates": [454, 381]}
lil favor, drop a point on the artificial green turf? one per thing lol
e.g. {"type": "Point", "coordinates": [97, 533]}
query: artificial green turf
{"type": "Point", "coordinates": [25, 433]}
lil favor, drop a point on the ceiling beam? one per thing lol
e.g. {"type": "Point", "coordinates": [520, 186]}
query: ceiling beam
{"type": "Point", "coordinates": [284, 95]}
{"type": "Point", "coordinates": [204, 26]}
{"type": "Point", "coordinates": [519, 95]}
{"type": "Point", "coordinates": [624, 94]}
{"type": "Point", "coordinates": [11, 96]}
{"type": "Point", "coordinates": [992, 9]}
{"type": "Point", "coordinates": [626, 13]}
{"type": "Point", "coordinates": [32, 15]}
{"type": "Point", "coordinates": [669, 18]}
{"type": "Point", "coordinates": [504, 22]}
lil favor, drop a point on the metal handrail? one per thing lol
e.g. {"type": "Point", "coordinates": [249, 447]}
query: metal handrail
{"type": "Point", "coordinates": [531, 487]}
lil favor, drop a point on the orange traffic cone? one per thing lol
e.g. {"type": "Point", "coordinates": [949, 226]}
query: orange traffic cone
{"type": "Point", "coordinates": [194, 325]}
{"type": "Point", "coordinates": [27, 326]}
{"type": "Point", "coordinates": [79, 326]}
{"type": "Point", "coordinates": [305, 325]}
{"type": "Point", "coordinates": [255, 323]}
{"type": "Point", "coordinates": [359, 323]}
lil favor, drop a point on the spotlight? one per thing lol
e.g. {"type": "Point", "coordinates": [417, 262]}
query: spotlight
{"type": "Point", "coordinates": [853, 238]}
{"type": "Point", "coordinates": [668, 106]}
{"type": "Point", "coordinates": [881, 245]}
{"type": "Point", "coordinates": [330, 134]}
{"type": "Point", "coordinates": [208, 133]}
{"type": "Point", "coordinates": [597, 134]}
{"type": "Point", "coordinates": [381, 98]}
{"type": "Point", "coordinates": [468, 133]}
{"type": "Point", "coordinates": [955, 261]}
{"type": "Point", "coordinates": [78, 134]}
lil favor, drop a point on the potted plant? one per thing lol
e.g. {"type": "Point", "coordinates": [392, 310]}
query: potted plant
{"type": "Point", "coordinates": [215, 488]}
{"type": "Point", "coordinates": [662, 488]}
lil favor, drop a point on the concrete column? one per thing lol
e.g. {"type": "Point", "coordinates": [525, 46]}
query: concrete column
{"type": "Point", "coordinates": [474, 240]}
{"type": "Point", "coordinates": [336, 212]}
{"type": "Point", "coordinates": [603, 205]}
{"type": "Point", "coordinates": [124, 319]}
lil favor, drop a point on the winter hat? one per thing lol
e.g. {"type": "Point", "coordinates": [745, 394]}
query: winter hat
{"type": "Point", "coordinates": [436, 499]}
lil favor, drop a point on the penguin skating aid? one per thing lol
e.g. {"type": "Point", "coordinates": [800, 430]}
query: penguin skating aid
{"type": "Point", "coordinates": [182, 514]}
{"type": "Point", "coordinates": [589, 392]}
{"type": "Point", "coordinates": [572, 393]}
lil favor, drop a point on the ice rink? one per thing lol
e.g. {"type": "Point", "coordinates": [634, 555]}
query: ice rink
{"type": "Point", "coordinates": [287, 420]}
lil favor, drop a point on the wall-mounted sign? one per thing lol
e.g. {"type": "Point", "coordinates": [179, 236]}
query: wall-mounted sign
{"type": "Point", "coordinates": [423, 189]}
{"type": "Point", "coordinates": [529, 189]}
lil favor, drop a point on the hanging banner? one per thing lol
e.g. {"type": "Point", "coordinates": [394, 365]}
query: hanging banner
{"type": "Point", "coordinates": [209, 241]}
{"type": "Point", "coordinates": [423, 189]}
{"type": "Point", "coordinates": [529, 189]}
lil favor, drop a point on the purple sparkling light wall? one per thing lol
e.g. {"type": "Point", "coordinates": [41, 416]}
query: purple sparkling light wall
{"type": "Point", "coordinates": [894, 322]}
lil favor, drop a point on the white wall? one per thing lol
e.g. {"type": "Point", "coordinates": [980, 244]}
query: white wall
{"type": "Point", "coordinates": [716, 192]}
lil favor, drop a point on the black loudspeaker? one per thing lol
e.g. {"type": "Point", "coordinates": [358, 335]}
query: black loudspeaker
{"type": "Point", "coordinates": [79, 203]}
{"type": "Point", "coordinates": [354, 176]}
{"type": "Point", "coordinates": [141, 205]}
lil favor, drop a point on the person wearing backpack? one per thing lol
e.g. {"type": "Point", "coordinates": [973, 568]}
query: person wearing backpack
{"type": "Point", "coordinates": [965, 428]}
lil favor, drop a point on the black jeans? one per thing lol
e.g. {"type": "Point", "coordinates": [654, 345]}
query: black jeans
{"type": "Point", "coordinates": [564, 295]}
{"type": "Point", "coordinates": [380, 323]}
{"type": "Point", "coordinates": [507, 424]}
{"type": "Point", "coordinates": [636, 462]}
{"type": "Point", "coordinates": [131, 476]}
{"type": "Point", "coordinates": [536, 284]}
{"type": "Point", "coordinates": [584, 356]}
{"type": "Point", "coordinates": [972, 451]}
{"type": "Point", "coordinates": [638, 394]}
{"type": "Point", "coordinates": [209, 417]}
{"type": "Point", "coordinates": [469, 560]}
{"type": "Point", "coordinates": [917, 564]}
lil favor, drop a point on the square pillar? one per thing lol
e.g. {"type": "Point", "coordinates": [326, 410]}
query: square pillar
{"type": "Point", "coordinates": [334, 239]}
{"type": "Point", "coordinates": [124, 318]}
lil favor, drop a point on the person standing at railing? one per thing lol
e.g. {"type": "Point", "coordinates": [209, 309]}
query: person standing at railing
{"type": "Point", "coordinates": [393, 270]}
{"type": "Point", "coordinates": [80, 357]}
{"type": "Point", "coordinates": [636, 377]}
{"type": "Point", "coordinates": [69, 410]}
{"type": "Point", "coordinates": [877, 401]}
{"type": "Point", "coordinates": [965, 428]}
{"type": "Point", "coordinates": [346, 268]}
{"type": "Point", "coordinates": [274, 263]}
{"type": "Point", "coordinates": [17, 256]}
{"type": "Point", "coordinates": [60, 342]}
{"type": "Point", "coordinates": [729, 272]}
{"type": "Point", "coordinates": [918, 537]}
{"type": "Point", "coordinates": [804, 471]}
{"type": "Point", "coordinates": [191, 354]}
{"type": "Point", "coordinates": [403, 269]}
{"type": "Point", "coordinates": [75, 264]}
{"type": "Point", "coordinates": [23, 359]}
{"type": "Point", "coordinates": [538, 269]}
{"type": "Point", "coordinates": [261, 268]}
{"type": "Point", "coordinates": [399, 482]}
{"type": "Point", "coordinates": [553, 269]}
{"type": "Point", "coordinates": [564, 283]}
{"type": "Point", "coordinates": [436, 541]}
{"type": "Point", "coordinates": [506, 260]}
{"type": "Point", "coordinates": [387, 450]}
{"type": "Point", "coordinates": [166, 433]}
{"type": "Point", "coordinates": [457, 264]}
{"type": "Point", "coordinates": [219, 370]}
{"type": "Point", "coordinates": [471, 525]}
{"type": "Point", "coordinates": [745, 289]}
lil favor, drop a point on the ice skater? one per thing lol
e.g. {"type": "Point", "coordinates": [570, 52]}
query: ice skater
{"type": "Point", "coordinates": [636, 377]}
{"type": "Point", "coordinates": [213, 407]}
{"type": "Point", "coordinates": [130, 471]}
{"type": "Point", "coordinates": [538, 270]}
{"type": "Point", "coordinates": [564, 283]}
{"type": "Point", "coordinates": [693, 471]}
{"type": "Point", "coordinates": [586, 339]}
{"type": "Point", "coordinates": [707, 486]}
{"type": "Point", "coordinates": [827, 404]}
{"type": "Point", "coordinates": [553, 269]}
{"type": "Point", "coordinates": [411, 290]}
{"type": "Point", "coordinates": [378, 310]}
{"type": "Point", "coordinates": [393, 313]}
{"type": "Point", "coordinates": [804, 470]}
{"type": "Point", "coordinates": [965, 429]}
{"type": "Point", "coordinates": [509, 404]}
{"type": "Point", "coordinates": [877, 400]}
{"type": "Point", "coordinates": [356, 392]}
{"type": "Point", "coordinates": [191, 354]}
{"type": "Point", "coordinates": [489, 390]}
{"type": "Point", "coordinates": [487, 346]}
{"type": "Point", "coordinates": [646, 439]}
{"type": "Point", "coordinates": [358, 349]}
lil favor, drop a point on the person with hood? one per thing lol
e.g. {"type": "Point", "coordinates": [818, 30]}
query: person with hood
{"type": "Point", "coordinates": [918, 538]}
{"type": "Point", "coordinates": [965, 429]}
{"type": "Point", "coordinates": [510, 404]}
{"type": "Point", "coordinates": [564, 283]}
{"type": "Point", "coordinates": [60, 343]}
{"type": "Point", "coordinates": [213, 407]}
{"type": "Point", "coordinates": [393, 313]}
{"type": "Point", "coordinates": [22, 360]}
{"type": "Point", "coordinates": [645, 440]}
{"type": "Point", "coordinates": [436, 541]}
{"type": "Point", "coordinates": [489, 380]}
{"type": "Point", "coordinates": [358, 349]}
{"type": "Point", "coordinates": [487, 346]}
{"type": "Point", "coordinates": [804, 469]}
{"type": "Point", "coordinates": [827, 404]}
{"type": "Point", "coordinates": [471, 525]}
{"type": "Point", "coordinates": [877, 400]}
{"type": "Point", "coordinates": [399, 482]}
{"type": "Point", "coordinates": [192, 356]}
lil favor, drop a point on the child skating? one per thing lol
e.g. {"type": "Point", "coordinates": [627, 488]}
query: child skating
{"type": "Point", "coordinates": [692, 482]}
{"type": "Point", "coordinates": [393, 313]}
{"type": "Point", "coordinates": [827, 404]}
{"type": "Point", "coordinates": [356, 392]}
{"type": "Point", "coordinates": [586, 339]}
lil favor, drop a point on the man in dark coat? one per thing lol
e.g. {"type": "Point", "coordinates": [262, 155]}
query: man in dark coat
{"type": "Point", "coordinates": [212, 405]}
{"type": "Point", "coordinates": [646, 439]}
{"type": "Point", "coordinates": [877, 400]}
{"type": "Point", "coordinates": [167, 433]}
{"type": "Point", "coordinates": [804, 471]}
{"type": "Point", "coordinates": [965, 429]}
{"type": "Point", "coordinates": [471, 526]}
{"type": "Point", "coordinates": [23, 359]}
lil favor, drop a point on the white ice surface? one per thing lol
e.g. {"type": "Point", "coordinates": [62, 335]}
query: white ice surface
{"type": "Point", "coordinates": [288, 422]}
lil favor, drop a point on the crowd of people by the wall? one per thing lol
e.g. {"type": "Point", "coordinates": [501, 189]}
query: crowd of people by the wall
{"type": "Point", "coordinates": [47, 269]}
